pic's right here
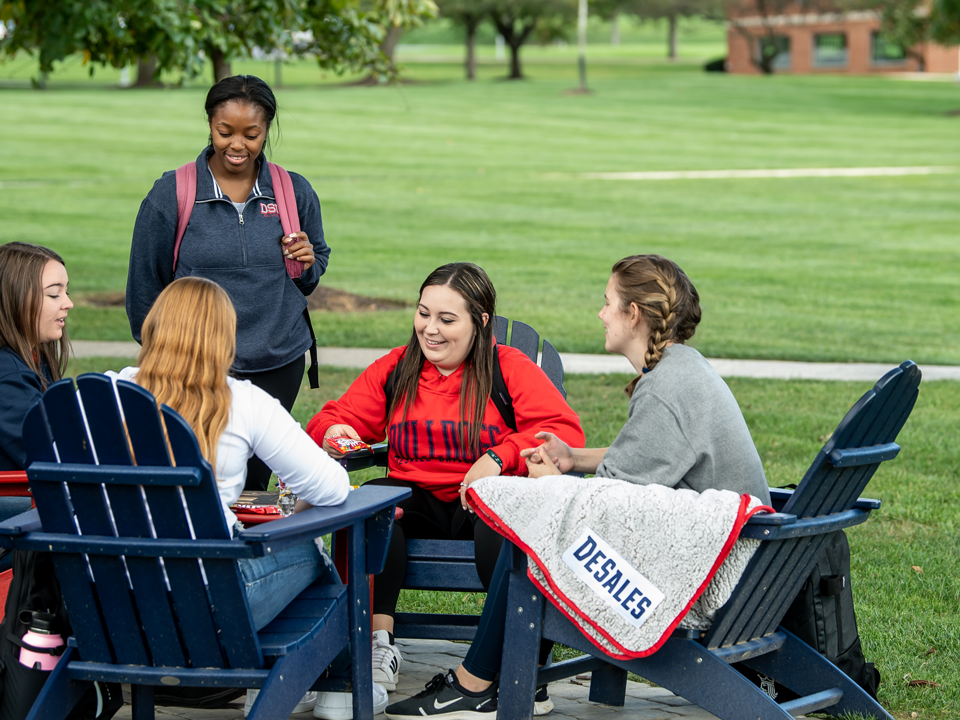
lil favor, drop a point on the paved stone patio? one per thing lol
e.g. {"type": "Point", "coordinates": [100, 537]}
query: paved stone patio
{"type": "Point", "coordinates": [425, 658]}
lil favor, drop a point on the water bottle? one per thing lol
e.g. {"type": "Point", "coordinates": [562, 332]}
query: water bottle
{"type": "Point", "coordinates": [41, 634]}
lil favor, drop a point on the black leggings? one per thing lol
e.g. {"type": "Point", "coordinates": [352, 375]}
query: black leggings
{"type": "Point", "coordinates": [426, 517]}
{"type": "Point", "coordinates": [485, 655]}
{"type": "Point", "coordinates": [283, 384]}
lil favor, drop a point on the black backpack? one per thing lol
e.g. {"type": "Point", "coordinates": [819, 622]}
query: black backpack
{"type": "Point", "coordinates": [498, 393]}
{"type": "Point", "coordinates": [34, 587]}
{"type": "Point", "coordinates": [822, 615]}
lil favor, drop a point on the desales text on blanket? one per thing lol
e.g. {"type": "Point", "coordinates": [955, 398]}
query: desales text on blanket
{"type": "Point", "coordinates": [608, 574]}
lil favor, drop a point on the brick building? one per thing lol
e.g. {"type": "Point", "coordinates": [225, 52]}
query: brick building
{"type": "Point", "coordinates": [828, 42]}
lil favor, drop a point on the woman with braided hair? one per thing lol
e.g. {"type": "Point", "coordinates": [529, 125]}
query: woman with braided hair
{"type": "Point", "coordinates": [684, 430]}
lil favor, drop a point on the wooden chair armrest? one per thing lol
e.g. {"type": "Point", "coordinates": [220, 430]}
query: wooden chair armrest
{"type": "Point", "coordinates": [376, 456]}
{"type": "Point", "coordinates": [365, 503]}
{"type": "Point", "coordinates": [779, 526]}
{"type": "Point", "coordinates": [20, 525]}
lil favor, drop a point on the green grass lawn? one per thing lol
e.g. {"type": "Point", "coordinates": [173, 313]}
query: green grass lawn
{"type": "Point", "coordinates": [843, 269]}
{"type": "Point", "coordinates": [907, 617]}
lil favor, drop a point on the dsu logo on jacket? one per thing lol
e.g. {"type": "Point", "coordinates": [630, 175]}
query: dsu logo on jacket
{"type": "Point", "coordinates": [438, 440]}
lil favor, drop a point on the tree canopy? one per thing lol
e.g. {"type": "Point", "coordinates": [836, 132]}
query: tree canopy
{"type": "Point", "coordinates": [180, 34]}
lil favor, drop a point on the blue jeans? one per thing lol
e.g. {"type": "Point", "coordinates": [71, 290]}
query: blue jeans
{"type": "Point", "coordinates": [11, 506]}
{"type": "Point", "coordinates": [273, 581]}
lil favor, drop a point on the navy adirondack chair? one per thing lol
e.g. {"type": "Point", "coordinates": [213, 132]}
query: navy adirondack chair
{"type": "Point", "coordinates": [148, 569]}
{"type": "Point", "coordinates": [695, 664]}
{"type": "Point", "coordinates": [448, 565]}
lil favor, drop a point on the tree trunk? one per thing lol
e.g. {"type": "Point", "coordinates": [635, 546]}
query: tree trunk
{"type": "Point", "coordinates": [471, 62]}
{"type": "Point", "coordinates": [515, 73]}
{"type": "Point", "coordinates": [221, 66]}
{"type": "Point", "coordinates": [515, 41]}
{"type": "Point", "coordinates": [615, 29]}
{"type": "Point", "coordinates": [766, 64]}
{"type": "Point", "coordinates": [672, 37]}
{"type": "Point", "coordinates": [389, 45]}
{"type": "Point", "coordinates": [146, 67]}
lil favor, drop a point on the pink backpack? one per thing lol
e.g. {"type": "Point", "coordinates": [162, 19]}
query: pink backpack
{"type": "Point", "coordinates": [282, 191]}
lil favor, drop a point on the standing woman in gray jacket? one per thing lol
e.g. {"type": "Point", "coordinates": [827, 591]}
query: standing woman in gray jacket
{"type": "Point", "coordinates": [235, 238]}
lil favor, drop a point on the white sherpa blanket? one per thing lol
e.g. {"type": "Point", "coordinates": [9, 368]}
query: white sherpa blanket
{"type": "Point", "coordinates": [628, 563]}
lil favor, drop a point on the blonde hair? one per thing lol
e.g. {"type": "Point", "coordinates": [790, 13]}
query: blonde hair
{"type": "Point", "coordinates": [667, 299]}
{"type": "Point", "coordinates": [189, 343]}
{"type": "Point", "coordinates": [21, 298]}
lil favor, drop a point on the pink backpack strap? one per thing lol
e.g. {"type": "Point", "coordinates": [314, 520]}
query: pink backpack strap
{"type": "Point", "coordinates": [186, 197]}
{"type": "Point", "coordinates": [287, 207]}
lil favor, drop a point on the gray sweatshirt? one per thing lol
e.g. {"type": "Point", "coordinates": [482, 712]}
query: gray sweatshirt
{"type": "Point", "coordinates": [685, 430]}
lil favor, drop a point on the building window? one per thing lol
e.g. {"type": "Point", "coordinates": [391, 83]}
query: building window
{"type": "Point", "coordinates": [884, 52]}
{"type": "Point", "coordinates": [830, 50]}
{"type": "Point", "coordinates": [779, 44]}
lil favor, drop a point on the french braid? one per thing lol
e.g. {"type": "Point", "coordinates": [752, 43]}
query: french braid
{"type": "Point", "coordinates": [667, 300]}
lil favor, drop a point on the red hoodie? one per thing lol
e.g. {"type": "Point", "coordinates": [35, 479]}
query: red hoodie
{"type": "Point", "coordinates": [425, 449]}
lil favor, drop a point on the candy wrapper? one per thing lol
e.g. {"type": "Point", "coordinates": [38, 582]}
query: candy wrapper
{"type": "Point", "coordinates": [347, 445]}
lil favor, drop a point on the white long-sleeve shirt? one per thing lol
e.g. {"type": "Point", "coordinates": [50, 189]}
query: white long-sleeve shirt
{"type": "Point", "coordinates": [259, 425]}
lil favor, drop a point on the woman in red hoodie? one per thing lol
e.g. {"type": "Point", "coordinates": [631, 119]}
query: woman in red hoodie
{"type": "Point", "coordinates": [443, 427]}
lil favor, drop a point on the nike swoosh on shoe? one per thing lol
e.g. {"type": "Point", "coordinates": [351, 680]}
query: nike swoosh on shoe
{"type": "Point", "coordinates": [437, 705]}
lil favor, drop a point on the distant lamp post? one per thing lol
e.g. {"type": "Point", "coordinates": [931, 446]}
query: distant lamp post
{"type": "Point", "coordinates": [582, 42]}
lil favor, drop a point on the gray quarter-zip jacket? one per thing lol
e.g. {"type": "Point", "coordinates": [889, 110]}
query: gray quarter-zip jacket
{"type": "Point", "coordinates": [241, 251]}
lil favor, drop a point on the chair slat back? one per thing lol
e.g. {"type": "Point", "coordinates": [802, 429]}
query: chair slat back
{"type": "Point", "coordinates": [527, 340]}
{"type": "Point", "coordinates": [779, 568]}
{"type": "Point", "coordinates": [876, 419]}
{"type": "Point", "coordinates": [131, 609]}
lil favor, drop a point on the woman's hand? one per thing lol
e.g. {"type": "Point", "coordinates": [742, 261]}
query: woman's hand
{"type": "Point", "coordinates": [338, 431]}
{"type": "Point", "coordinates": [556, 451]}
{"type": "Point", "coordinates": [539, 463]}
{"type": "Point", "coordinates": [296, 246]}
{"type": "Point", "coordinates": [486, 466]}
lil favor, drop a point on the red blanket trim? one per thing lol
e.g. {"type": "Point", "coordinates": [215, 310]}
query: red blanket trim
{"type": "Point", "coordinates": [495, 522]}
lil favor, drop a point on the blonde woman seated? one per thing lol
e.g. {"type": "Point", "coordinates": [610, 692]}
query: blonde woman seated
{"type": "Point", "coordinates": [189, 339]}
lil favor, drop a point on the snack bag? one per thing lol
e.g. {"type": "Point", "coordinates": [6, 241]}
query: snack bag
{"type": "Point", "coordinates": [347, 445]}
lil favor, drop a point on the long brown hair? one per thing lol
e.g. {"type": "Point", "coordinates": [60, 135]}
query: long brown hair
{"type": "Point", "coordinates": [21, 297]}
{"type": "Point", "coordinates": [667, 299]}
{"type": "Point", "coordinates": [189, 343]}
{"type": "Point", "coordinates": [481, 298]}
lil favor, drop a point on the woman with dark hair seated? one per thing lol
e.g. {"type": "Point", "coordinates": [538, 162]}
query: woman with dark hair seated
{"type": "Point", "coordinates": [34, 348]}
{"type": "Point", "coordinates": [684, 430]}
{"type": "Point", "coordinates": [444, 427]}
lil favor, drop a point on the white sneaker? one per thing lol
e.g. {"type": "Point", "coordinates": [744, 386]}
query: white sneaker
{"type": "Point", "coordinates": [306, 703]}
{"type": "Point", "coordinates": [386, 660]}
{"type": "Point", "coordinates": [339, 706]}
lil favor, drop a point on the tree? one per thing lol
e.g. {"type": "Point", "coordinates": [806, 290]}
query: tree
{"type": "Point", "coordinates": [670, 10]}
{"type": "Point", "coordinates": [179, 34]}
{"type": "Point", "coordinates": [945, 25]}
{"type": "Point", "coordinates": [906, 24]}
{"type": "Point", "coordinates": [468, 14]}
{"type": "Point", "coordinates": [756, 22]}
{"type": "Point", "coordinates": [516, 21]}
{"type": "Point", "coordinates": [397, 16]}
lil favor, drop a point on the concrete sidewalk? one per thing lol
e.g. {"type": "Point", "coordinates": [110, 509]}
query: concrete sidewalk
{"type": "Point", "coordinates": [425, 658]}
{"type": "Point", "coordinates": [581, 364]}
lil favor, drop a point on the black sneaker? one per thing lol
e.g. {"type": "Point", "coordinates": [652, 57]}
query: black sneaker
{"type": "Point", "coordinates": [444, 697]}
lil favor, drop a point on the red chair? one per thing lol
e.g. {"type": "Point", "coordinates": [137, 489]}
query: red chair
{"type": "Point", "coordinates": [14, 484]}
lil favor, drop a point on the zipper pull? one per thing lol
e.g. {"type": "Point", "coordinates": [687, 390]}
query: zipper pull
{"type": "Point", "coordinates": [241, 218]}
